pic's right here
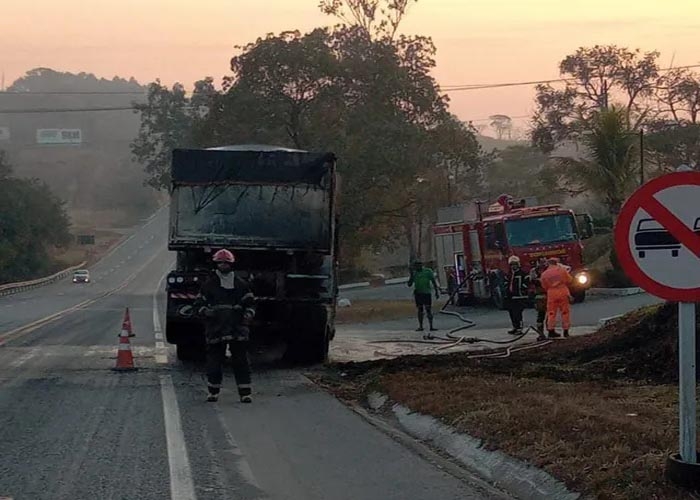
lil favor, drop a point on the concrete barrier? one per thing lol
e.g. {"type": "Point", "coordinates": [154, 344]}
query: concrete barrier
{"type": "Point", "coordinates": [12, 288]}
{"type": "Point", "coordinates": [615, 292]}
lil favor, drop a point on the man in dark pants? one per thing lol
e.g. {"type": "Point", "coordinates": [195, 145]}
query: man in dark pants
{"type": "Point", "coordinates": [422, 278]}
{"type": "Point", "coordinates": [540, 295]}
{"type": "Point", "coordinates": [227, 305]}
{"type": "Point", "coordinates": [517, 284]}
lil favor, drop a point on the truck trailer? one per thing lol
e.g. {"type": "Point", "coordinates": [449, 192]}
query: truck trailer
{"type": "Point", "coordinates": [275, 209]}
{"type": "Point", "coordinates": [476, 251]}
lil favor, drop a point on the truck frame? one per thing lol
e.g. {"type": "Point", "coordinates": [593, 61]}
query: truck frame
{"type": "Point", "coordinates": [275, 208]}
{"type": "Point", "coordinates": [477, 250]}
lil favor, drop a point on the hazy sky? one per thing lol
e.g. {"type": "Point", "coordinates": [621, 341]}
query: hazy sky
{"type": "Point", "coordinates": [478, 41]}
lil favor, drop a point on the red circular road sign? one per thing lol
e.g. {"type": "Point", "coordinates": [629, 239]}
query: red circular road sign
{"type": "Point", "coordinates": [657, 237]}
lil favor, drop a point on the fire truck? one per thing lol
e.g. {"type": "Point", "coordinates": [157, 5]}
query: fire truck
{"type": "Point", "coordinates": [475, 251]}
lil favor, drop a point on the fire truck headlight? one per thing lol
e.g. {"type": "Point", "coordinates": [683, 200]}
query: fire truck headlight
{"type": "Point", "coordinates": [582, 279]}
{"type": "Point", "coordinates": [180, 279]}
{"type": "Point", "coordinates": [171, 280]}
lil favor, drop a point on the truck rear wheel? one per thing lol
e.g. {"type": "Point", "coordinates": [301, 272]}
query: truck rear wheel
{"type": "Point", "coordinates": [309, 343]}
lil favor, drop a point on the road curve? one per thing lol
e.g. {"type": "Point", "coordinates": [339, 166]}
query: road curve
{"type": "Point", "coordinates": [72, 428]}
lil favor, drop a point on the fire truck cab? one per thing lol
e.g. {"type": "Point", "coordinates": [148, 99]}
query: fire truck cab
{"type": "Point", "coordinates": [475, 252]}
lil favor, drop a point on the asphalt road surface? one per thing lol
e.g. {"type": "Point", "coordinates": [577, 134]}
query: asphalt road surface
{"type": "Point", "coordinates": [70, 428]}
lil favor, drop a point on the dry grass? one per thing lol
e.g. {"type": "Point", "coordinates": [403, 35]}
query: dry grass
{"type": "Point", "coordinates": [74, 254]}
{"type": "Point", "coordinates": [597, 411]}
{"type": "Point", "coordinates": [368, 311]}
{"type": "Point", "coordinates": [606, 441]}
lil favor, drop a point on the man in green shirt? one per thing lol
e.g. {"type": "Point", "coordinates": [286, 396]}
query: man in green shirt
{"type": "Point", "coordinates": [421, 279]}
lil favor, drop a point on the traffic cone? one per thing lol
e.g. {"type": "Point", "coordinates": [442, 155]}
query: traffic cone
{"type": "Point", "coordinates": [126, 324]}
{"type": "Point", "coordinates": [125, 359]}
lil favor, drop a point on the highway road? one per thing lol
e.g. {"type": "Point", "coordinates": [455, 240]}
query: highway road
{"type": "Point", "coordinates": [70, 428]}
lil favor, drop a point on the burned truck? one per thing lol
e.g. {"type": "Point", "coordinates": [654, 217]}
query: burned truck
{"type": "Point", "coordinates": [275, 209]}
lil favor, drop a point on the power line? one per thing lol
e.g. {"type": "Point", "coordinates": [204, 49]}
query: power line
{"type": "Point", "coordinates": [67, 110]}
{"type": "Point", "coordinates": [454, 88]}
{"type": "Point", "coordinates": [446, 88]}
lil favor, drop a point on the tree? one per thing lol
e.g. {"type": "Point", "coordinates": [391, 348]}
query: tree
{"type": "Point", "coordinates": [359, 90]}
{"type": "Point", "coordinates": [166, 124]}
{"type": "Point", "coordinates": [503, 125]}
{"type": "Point", "coordinates": [32, 221]}
{"type": "Point", "coordinates": [522, 171]}
{"type": "Point", "coordinates": [594, 78]}
{"type": "Point", "coordinates": [613, 151]}
{"type": "Point", "coordinates": [379, 18]}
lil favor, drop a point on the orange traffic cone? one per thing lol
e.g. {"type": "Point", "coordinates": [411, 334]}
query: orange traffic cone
{"type": "Point", "coordinates": [126, 324]}
{"type": "Point", "coordinates": [125, 359]}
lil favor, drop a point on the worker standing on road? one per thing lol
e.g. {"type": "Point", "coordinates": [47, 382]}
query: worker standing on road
{"type": "Point", "coordinates": [422, 278]}
{"type": "Point", "coordinates": [555, 280]}
{"type": "Point", "coordinates": [517, 284]}
{"type": "Point", "coordinates": [227, 305]}
{"type": "Point", "coordinates": [540, 295]}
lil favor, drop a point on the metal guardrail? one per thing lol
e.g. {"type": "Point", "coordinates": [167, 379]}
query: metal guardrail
{"type": "Point", "coordinates": [12, 288]}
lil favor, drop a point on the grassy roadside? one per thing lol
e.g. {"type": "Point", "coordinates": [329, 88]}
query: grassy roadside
{"type": "Point", "coordinates": [370, 311]}
{"type": "Point", "coordinates": [598, 412]}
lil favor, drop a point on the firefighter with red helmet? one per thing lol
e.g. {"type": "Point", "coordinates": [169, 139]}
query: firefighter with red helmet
{"type": "Point", "coordinates": [228, 307]}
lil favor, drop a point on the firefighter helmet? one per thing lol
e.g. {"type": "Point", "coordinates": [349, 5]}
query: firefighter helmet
{"type": "Point", "coordinates": [224, 256]}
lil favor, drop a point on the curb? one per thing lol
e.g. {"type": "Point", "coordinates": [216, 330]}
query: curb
{"type": "Point", "coordinates": [616, 292]}
{"type": "Point", "coordinates": [375, 282]}
{"type": "Point", "coordinates": [12, 288]}
{"type": "Point", "coordinates": [514, 476]}
{"type": "Point", "coordinates": [605, 321]}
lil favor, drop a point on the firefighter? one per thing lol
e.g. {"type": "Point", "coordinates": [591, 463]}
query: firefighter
{"type": "Point", "coordinates": [422, 278]}
{"type": "Point", "coordinates": [517, 284]}
{"type": "Point", "coordinates": [555, 280]}
{"type": "Point", "coordinates": [227, 304]}
{"type": "Point", "coordinates": [540, 295]}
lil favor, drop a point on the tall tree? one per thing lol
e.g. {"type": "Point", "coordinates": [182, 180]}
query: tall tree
{"type": "Point", "coordinates": [166, 124]}
{"type": "Point", "coordinates": [595, 78]}
{"type": "Point", "coordinates": [379, 18]}
{"type": "Point", "coordinates": [612, 147]}
{"type": "Point", "coordinates": [503, 125]}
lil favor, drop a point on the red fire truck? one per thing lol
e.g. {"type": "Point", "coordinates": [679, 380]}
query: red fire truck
{"type": "Point", "coordinates": [477, 251]}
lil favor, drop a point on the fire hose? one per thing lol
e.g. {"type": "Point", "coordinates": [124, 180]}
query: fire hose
{"type": "Point", "coordinates": [451, 340]}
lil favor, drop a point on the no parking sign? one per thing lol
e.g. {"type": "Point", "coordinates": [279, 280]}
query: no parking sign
{"type": "Point", "coordinates": [657, 239]}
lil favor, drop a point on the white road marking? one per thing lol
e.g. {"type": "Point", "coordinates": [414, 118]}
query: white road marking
{"type": "Point", "coordinates": [91, 351]}
{"type": "Point", "coordinates": [181, 483]}
{"type": "Point", "coordinates": [24, 358]}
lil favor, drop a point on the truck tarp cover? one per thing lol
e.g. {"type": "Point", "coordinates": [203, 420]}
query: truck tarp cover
{"type": "Point", "coordinates": [251, 199]}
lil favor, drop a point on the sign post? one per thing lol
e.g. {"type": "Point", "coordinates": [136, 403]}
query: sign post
{"type": "Point", "coordinates": [657, 239]}
{"type": "Point", "coordinates": [686, 381]}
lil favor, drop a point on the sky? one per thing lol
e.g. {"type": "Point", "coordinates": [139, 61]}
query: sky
{"type": "Point", "coordinates": [478, 41]}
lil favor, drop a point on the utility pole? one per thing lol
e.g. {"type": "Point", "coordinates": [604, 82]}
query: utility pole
{"type": "Point", "coordinates": [641, 157]}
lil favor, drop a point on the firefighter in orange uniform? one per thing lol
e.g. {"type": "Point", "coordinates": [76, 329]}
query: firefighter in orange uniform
{"type": "Point", "coordinates": [555, 280]}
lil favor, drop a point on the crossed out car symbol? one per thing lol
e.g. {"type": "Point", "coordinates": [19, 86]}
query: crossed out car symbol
{"type": "Point", "coordinates": [651, 235]}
